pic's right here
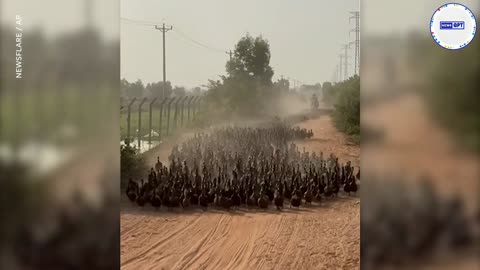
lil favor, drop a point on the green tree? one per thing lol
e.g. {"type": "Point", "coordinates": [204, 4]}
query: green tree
{"type": "Point", "coordinates": [155, 89]}
{"type": "Point", "coordinates": [196, 91]}
{"type": "Point", "coordinates": [249, 79]}
{"type": "Point", "coordinates": [347, 106]}
{"type": "Point", "coordinates": [135, 89]}
{"type": "Point", "coordinates": [251, 58]}
{"type": "Point", "coordinates": [179, 91]}
{"type": "Point", "coordinates": [282, 85]}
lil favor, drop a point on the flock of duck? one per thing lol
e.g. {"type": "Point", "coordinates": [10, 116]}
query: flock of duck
{"type": "Point", "coordinates": [232, 167]}
{"type": "Point", "coordinates": [404, 223]}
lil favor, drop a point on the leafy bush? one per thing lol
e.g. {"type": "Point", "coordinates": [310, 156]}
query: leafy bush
{"type": "Point", "coordinates": [453, 92]}
{"type": "Point", "coordinates": [131, 164]}
{"type": "Point", "coordinates": [347, 107]}
{"type": "Point", "coordinates": [328, 92]}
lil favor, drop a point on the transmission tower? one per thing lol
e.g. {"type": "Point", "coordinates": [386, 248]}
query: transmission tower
{"type": "Point", "coordinates": [345, 62]}
{"type": "Point", "coordinates": [341, 56]}
{"type": "Point", "coordinates": [356, 17]}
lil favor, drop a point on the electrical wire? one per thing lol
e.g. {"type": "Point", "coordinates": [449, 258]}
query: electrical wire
{"type": "Point", "coordinates": [177, 31]}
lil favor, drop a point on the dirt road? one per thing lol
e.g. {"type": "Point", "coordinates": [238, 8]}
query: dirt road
{"type": "Point", "coordinates": [414, 145]}
{"type": "Point", "coordinates": [317, 237]}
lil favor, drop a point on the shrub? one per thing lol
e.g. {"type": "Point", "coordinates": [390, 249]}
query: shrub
{"type": "Point", "coordinates": [131, 164]}
{"type": "Point", "coordinates": [347, 107]}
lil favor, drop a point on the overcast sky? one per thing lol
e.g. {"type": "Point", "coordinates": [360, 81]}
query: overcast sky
{"type": "Point", "coordinates": [305, 37]}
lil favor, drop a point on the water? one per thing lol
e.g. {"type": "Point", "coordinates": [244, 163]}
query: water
{"type": "Point", "coordinates": [144, 145]}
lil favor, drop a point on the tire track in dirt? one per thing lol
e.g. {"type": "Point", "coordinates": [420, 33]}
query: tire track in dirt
{"type": "Point", "coordinates": [187, 259]}
{"type": "Point", "coordinates": [317, 237]}
{"type": "Point", "coordinates": [160, 242]}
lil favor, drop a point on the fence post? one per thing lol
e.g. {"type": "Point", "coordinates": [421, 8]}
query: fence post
{"type": "Point", "coordinates": [150, 121]}
{"type": "Point", "coordinates": [189, 106]}
{"type": "Point", "coordinates": [183, 108]}
{"type": "Point", "coordinates": [129, 118]}
{"type": "Point", "coordinates": [168, 114]}
{"type": "Point", "coordinates": [140, 121]}
{"type": "Point", "coordinates": [161, 117]}
{"type": "Point", "coordinates": [175, 114]}
{"type": "Point", "coordinates": [194, 101]}
{"type": "Point", "coordinates": [199, 103]}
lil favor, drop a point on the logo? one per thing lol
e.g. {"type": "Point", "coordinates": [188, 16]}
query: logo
{"type": "Point", "coordinates": [453, 26]}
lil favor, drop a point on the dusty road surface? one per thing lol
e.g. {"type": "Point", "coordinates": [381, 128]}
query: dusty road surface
{"type": "Point", "coordinates": [315, 237]}
{"type": "Point", "coordinates": [414, 145]}
{"type": "Point", "coordinates": [329, 140]}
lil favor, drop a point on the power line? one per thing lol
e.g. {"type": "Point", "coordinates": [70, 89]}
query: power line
{"type": "Point", "coordinates": [177, 31]}
{"type": "Point", "coordinates": [185, 36]}
{"type": "Point", "coordinates": [140, 22]}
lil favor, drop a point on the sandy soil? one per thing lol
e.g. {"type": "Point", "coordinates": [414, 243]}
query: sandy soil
{"type": "Point", "coordinates": [316, 237]}
{"type": "Point", "coordinates": [414, 145]}
{"type": "Point", "coordinates": [329, 140]}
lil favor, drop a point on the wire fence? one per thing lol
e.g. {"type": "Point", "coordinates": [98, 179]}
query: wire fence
{"type": "Point", "coordinates": [144, 121]}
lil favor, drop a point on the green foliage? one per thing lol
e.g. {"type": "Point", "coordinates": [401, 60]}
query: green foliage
{"type": "Point", "coordinates": [328, 93]}
{"type": "Point", "coordinates": [23, 195]}
{"type": "Point", "coordinates": [251, 59]}
{"type": "Point", "coordinates": [453, 91]}
{"type": "Point", "coordinates": [248, 83]}
{"type": "Point", "coordinates": [313, 87]}
{"type": "Point", "coordinates": [155, 89]}
{"type": "Point", "coordinates": [132, 89]}
{"type": "Point", "coordinates": [131, 164]}
{"type": "Point", "coordinates": [179, 91]}
{"type": "Point", "coordinates": [138, 89]}
{"type": "Point", "coordinates": [281, 86]}
{"type": "Point", "coordinates": [347, 107]}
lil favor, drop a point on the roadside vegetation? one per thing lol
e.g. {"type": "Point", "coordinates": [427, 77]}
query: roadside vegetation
{"type": "Point", "coordinates": [345, 98]}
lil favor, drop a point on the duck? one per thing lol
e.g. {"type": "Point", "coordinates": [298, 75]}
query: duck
{"type": "Point", "coordinates": [296, 200]}
{"type": "Point", "coordinates": [263, 200]}
{"type": "Point", "coordinates": [203, 199]}
{"type": "Point", "coordinates": [156, 201]}
{"type": "Point", "coordinates": [278, 199]}
{"type": "Point", "coordinates": [132, 190]}
{"type": "Point", "coordinates": [308, 196]}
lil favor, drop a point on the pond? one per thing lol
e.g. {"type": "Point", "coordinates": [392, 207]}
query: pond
{"type": "Point", "coordinates": [144, 145]}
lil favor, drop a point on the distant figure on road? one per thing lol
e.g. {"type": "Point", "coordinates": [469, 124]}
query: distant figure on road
{"type": "Point", "coordinates": [314, 103]}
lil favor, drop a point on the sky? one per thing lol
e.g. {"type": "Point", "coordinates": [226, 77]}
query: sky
{"type": "Point", "coordinates": [305, 35]}
{"type": "Point", "coordinates": [305, 38]}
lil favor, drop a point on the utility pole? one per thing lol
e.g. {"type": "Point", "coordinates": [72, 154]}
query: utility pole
{"type": "Point", "coordinates": [230, 54]}
{"type": "Point", "coordinates": [88, 13]}
{"type": "Point", "coordinates": [164, 30]}
{"type": "Point", "coordinates": [356, 16]}
{"type": "Point", "coordinates": [345, 58]}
